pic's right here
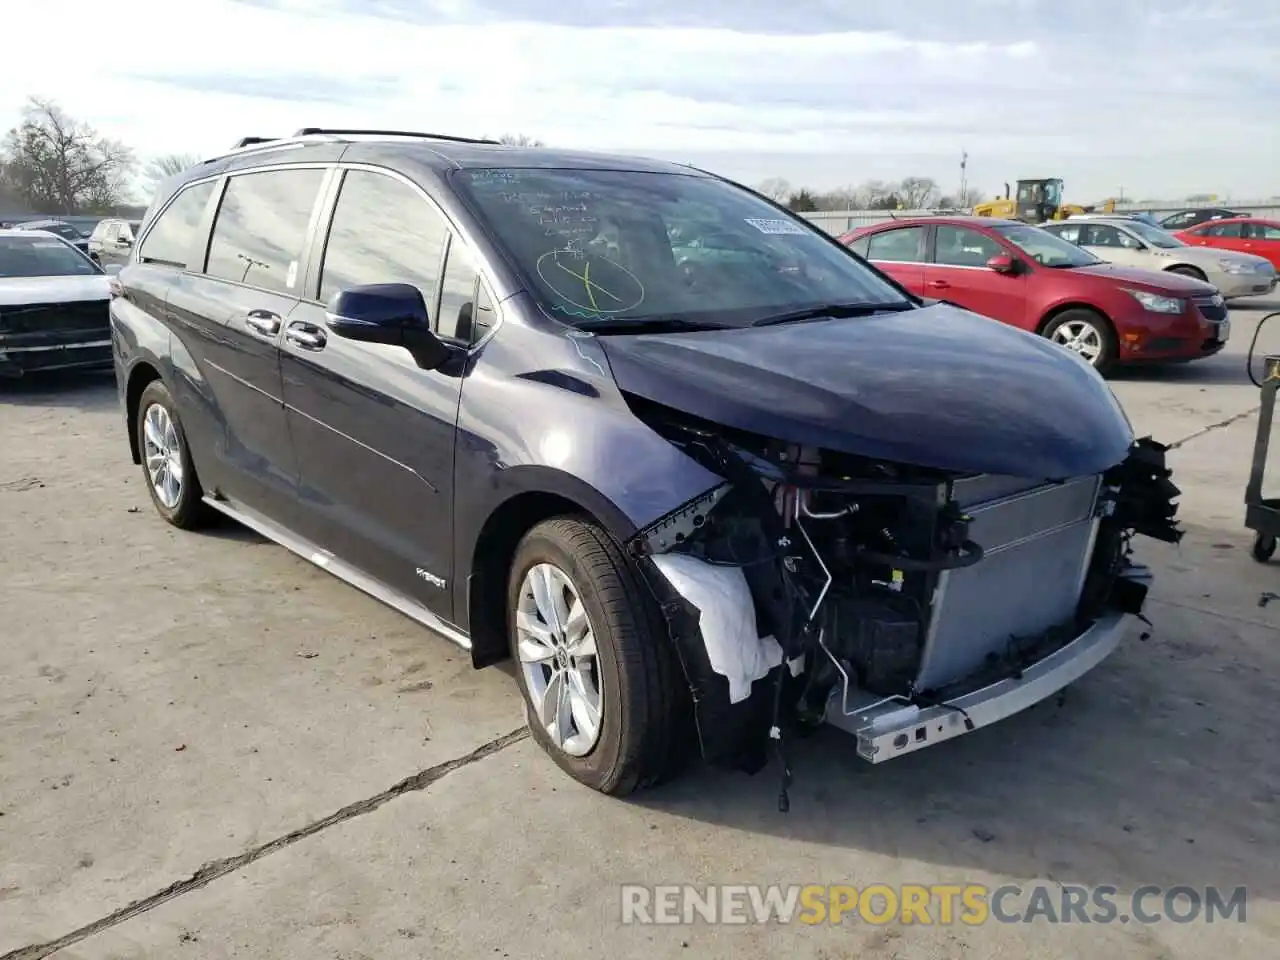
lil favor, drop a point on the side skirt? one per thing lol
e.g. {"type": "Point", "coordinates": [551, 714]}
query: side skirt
{"type": "Point", "coordinates": [340, 569]}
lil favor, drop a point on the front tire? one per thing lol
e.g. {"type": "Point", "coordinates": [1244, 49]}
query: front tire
{"type": "Point", "coordinates": [594, 662]}
{"type": "Point", "coordinates": [167, 468]}
{"type": "Point", "coordinates": [1087, 334]}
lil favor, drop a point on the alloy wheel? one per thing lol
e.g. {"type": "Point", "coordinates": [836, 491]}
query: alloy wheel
{"type": "Point", "coordinates": [162, 453]}
{"type": "Point", "coordinates": [1081, 337]}
{"type": "Point", "coordinates": [556, 646]}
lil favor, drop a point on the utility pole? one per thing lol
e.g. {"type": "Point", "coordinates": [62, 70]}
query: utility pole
{"type": "Point", "coordinates": [964, 183]}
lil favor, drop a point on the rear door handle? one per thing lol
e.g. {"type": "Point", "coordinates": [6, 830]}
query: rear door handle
{"type": "Point", "coordinates": [263, 322]}
{"type": "Point", "coordinates": [937, 284]}
{"type": "Point", "coordinates": [305, 335]}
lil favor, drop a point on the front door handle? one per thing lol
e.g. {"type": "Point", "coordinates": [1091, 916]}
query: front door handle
{"type": "Point", "coordinates": [263, 322]}
{"type": "Point", "coordinates": [937, 285]}
{"type": "Point", "coordinates": [305, 335]}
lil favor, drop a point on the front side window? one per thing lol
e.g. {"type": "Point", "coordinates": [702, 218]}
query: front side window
{"type": "Point", "coordinates": [172, 238]}
{"type": "Point", "coordinates": [1043, 247]}
{"type": "Point", "coordinates": [1265, 231]}
{"type": "Point", "coordinates": [597, 247]}
{"type": "Point", "coordinates": [383, 231]}
{"type": "Point", "coordinates": [960, 247]}
{"type": "Point", "coordinates": [261, 228]}
{"type": "Point", "coordinates": [37, 256]}
{"type": "Point", "coordinates": [1222, 230]}
{"type": "Point", "coordinates": [897, 246]}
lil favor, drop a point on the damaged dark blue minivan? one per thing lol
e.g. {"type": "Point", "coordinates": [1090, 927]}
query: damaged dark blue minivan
{"type": "Point", "coordinates": [707, 476]}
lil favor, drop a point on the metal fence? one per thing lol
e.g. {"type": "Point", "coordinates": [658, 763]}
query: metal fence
{"type": "Point", "coordinates": [838, 221]}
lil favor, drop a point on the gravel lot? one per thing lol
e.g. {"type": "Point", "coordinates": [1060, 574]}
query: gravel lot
{"type": "Point", "coordinates": [209, 748]}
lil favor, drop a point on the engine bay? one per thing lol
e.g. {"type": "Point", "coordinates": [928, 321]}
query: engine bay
{"type": "Point", "coordinates": [870, 582]}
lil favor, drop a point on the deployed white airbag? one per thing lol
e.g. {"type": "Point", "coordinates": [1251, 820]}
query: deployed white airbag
{"type": "Point", "coordinates": [727, 619]}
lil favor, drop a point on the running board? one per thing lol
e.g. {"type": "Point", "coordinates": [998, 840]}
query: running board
{"type": "Point", "coordinates": [340, 569]}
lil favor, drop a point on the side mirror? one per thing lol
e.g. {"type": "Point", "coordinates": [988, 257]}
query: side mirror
{"type": "Point", "coordinates": [1003, 263]}
{"type": "Point", "coordinates": [125, 241]}
{"type": "Point", "coordinates": [390, 313]}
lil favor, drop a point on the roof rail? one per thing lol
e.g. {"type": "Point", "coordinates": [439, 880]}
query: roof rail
{"type": "Point", "coordinates": [250, 141]}
{"type": "Point", "coordinates": [337, 132]}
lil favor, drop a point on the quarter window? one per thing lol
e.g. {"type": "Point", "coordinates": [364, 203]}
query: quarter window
{"type": "Point", "coordinates": [861, 246]}
{"type": "Point", "coordinates": [172, 239]}
{"type": "Point", "coordinates": [382, 232]}
{"type": "Point", "coordinates": [958, 247]}
{"type": "Point", "coordinates": [902, 245]}
{"type": "Point", "coordinates": [458, 294]}
{"type": "Point", "coordinates": [261, 228]}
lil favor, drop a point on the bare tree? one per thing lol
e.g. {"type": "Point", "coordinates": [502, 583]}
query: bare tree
{"type": "Point", "coordinates": [775, 188]}
{"type": "Point", "coordinates": [56, 164]}
{"type": "Point", "coordinates": [166, 165]}
{"type": "Point", "coordinates": [917, 192]}
{"type": "Point", "coordinates": [520, 140]}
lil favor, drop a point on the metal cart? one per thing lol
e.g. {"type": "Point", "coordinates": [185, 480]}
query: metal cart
{"type": "Point", "coordinates": [1262, 514]}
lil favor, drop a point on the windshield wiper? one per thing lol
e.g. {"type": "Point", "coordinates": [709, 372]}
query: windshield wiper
{"type": "Point", "coordinates": [834, 311]}
{"type": "Point", "coordinates": [653, 324]}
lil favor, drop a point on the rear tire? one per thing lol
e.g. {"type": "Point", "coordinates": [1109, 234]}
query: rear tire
{"type": "Point", "coordinates": [1195, 273]}
{"type": "Point", "coordinates": [640, 691]}
{"type": "Point", "coordinates": [167, 468]}
{"type": "Point", "coordinates": [1088, 334]}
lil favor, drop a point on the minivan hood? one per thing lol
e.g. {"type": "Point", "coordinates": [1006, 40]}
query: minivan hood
{"type": "Point", "coordinates": [1156, 281]}
{"type": "Point", "coordinates": [935, 387]}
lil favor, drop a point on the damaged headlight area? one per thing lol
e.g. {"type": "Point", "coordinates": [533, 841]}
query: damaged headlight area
{"type": "Point", "coordinates": [903, 604]}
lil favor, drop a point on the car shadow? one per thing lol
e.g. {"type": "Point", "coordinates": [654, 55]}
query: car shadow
{"type": "Point", "coordinates": [1218, 370]}
{"type": "Point", "coordinates": [87, 390]}
{"type": "Point", "coordinates": [1146, 771]}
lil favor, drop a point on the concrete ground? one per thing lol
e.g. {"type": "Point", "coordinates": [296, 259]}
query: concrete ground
{"type": "Point", "coordinates": [209, 748]}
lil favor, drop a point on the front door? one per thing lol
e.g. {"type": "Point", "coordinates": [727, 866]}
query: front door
{"type": "Point", "coordinates": [373, 431]}
{"type": "Point", "coordinates": [958, 273]}
{"type": "Point", "coordinates": [1108, 242]}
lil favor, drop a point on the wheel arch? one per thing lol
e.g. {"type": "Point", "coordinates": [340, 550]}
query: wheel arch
{"type": "Point", "coordinates": [531, 495]}
{"type": "Point", "coordinates": [1188, 268]}
{"type": "Point", "coordinates": [142, 374]}
{"type": "Point", "coordinates": [1059, 309]}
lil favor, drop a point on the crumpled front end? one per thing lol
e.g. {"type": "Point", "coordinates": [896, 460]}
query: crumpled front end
{"type": "Point", "coordinates": [905, 605]}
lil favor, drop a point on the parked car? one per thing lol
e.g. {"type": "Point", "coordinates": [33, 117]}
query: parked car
{"type": "Point", "coordinates": [1136, 244]}
{"type": "Point", "coordinates": [1140, 216]}
{"type": "Point", "coordinates": [1242, 235]}
{"type": "Point", "coordinates": [1190, 218]}
{"type": "Point", "coordinates": [53, 306]}
{"type": "Point", "coordinates": [59, 228]}
{"type": "Point", "coordinates": [112, 239]}
{"type": "Point", "coordinates": [1029, 278]}
{"type": "Point", "coordinates": [697, 503]}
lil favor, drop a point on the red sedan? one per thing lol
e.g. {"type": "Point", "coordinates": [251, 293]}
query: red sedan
{"type": "Point", "coordinates": [1244, 234]}
{"type": "Point", "coordinates": [1027, 277]}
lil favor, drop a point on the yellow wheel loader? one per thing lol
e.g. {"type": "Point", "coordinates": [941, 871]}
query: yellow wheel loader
{"type": "Point", "coordinates": [1037, 201]}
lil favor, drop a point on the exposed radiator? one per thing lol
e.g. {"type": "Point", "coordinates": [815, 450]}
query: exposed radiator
{"type": "Point", "coordinates": [1037, 541]}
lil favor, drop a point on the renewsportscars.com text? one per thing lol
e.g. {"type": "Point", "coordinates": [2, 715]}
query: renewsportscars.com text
{"type": "Point", "coordinates": [931, 904]}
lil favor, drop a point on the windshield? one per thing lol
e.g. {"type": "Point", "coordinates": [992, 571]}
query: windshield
{"type": "Point", "coordinates": [604, 246]}
{"type": "Point", "coordinates": [1155, 236]}
{"type": "Point", "coordinates": [1043, 247]}
{"type": "Point", "coordinates": [37, 256]}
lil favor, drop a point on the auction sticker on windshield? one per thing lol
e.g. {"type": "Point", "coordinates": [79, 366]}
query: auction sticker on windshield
{"type": "Point", "coordinates": [776, 226]}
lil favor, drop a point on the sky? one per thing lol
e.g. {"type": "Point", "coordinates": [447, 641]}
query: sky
{"type": "Point", "coordinates": [1159, 99]}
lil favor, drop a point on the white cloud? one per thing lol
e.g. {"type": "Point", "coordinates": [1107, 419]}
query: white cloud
{"type": "Point", "coordinates": [1102, 94]}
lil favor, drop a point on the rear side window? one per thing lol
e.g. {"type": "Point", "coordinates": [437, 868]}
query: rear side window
{"type": "Point", "coordinates": [261, 228]}
{"type": "Point", "coordinates": [172, 238]}
{"type": "Point", "coordinates": [382, 232]}
{"type": "Point", "coordinates": [901, 245]}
